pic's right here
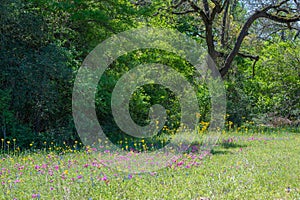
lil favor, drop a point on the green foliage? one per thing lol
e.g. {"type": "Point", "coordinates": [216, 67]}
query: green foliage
{"type": "Point", "coordinates": [43, 43]}
{"type": "Point", "coordinates": [273, 91]}
{"type": "Point", "coordinates": [146, 96]}
{"type": "Point", "coordinates": [36, 75]}
{"type": "Point", "coordinates": [278, 77]}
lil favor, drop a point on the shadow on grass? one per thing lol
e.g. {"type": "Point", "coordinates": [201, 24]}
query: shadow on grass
{"type": "Point", "coordinates": [227, 145]}
{"type": "Point", "coordinates": [220, 152]}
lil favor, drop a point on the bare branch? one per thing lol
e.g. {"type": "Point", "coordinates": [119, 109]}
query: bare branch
{"type": "Point", "coordinates": [225, 4]}
{"type": "Point", "coordinates": [248, 56]}
{"type": "Point", "coordinates": [215, 2]}
{"type": "Point", "coordinates": [282, 10]}
{"type": "Point", "coordinates": [201, 36]}
{"type": "Point", "coordinates": [208, 22]}
{"type": "Point", "coordinates": [244, 55]}
{"type": "Point", "coordinates": [253, 68]}
{"type": "Point", "coordinates": [216, 9]}
{"type": "Point", "coordinates": [206, 7]}
{"type": "Point", "coordinates": [224, 23]}
{"type": "Point", "coordinates": [179, 4]}
{"type": "Point", "coordinates": [242, 35]}
{"type": "Point", "coordinates": [200, 11]}
{"type": "Point", "coordinates": [183, 12]}
{"type": "Point", "coordinates": [273, 6]}
{"type": "Point", "coordinates": [141, 3]}
{"type": "Point", "coordinates": [281, 19]}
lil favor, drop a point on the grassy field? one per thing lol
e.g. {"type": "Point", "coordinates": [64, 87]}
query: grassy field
{"type": "Point", "coordinates": [241, 166]}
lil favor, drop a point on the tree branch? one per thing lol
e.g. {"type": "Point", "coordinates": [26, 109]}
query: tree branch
{"type": "Point", "coordinates": [200, 11]}
{"type": "Point", "coordinates": [242, 35]}
{"type": "Point", "coordinates": [206, 7]}
{"type": "Point", "coordinates": [281, 19]}
{"type": "Point", "coordinates": [225, 4]}
{"type": "Point", "coordinates": [272, 12]}
{"type": "Point", "coordinates": [248, 56]}
{"type": "Point", "coordinates": [208, 29]}
{"type": "Point", "coordinates": [244, 55]}
{"type": "Point", "coordinates": [244, 32]}
{"type": "Point", "coordinates": [224, 23]}
{"type": "Point", "coordinates": [297, 34]}
{"type": "Point", "coordinates": [179, 4]}
{"type": "Point", "coordinates": [273, 6]}
{"type": "Point", "coordinates": [253, 68]}
{"type": "Point", "coordinates": [216, 9]}
{"type": "Point", "coordinates": [183, 12]}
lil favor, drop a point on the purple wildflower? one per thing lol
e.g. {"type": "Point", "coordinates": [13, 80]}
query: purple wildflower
{"type": "Point", "coordinates": [104, 178]}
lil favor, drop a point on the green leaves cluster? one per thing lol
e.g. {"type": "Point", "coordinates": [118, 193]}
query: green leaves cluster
{"type": "Point", "coordinates": [43, 43]}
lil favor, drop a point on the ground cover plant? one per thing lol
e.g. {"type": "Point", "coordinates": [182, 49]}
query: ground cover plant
{"type": "Point", "coordinates": [252, 165]}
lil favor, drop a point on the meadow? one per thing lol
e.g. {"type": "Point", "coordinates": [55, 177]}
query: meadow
{"type": "Point", "coordinates": [69, 67]}
{"type": "Point", "coordinates": [243, 165]}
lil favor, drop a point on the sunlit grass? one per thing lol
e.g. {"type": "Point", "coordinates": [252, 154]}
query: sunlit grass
{"type": "Point", "coordinates": [252, 165]}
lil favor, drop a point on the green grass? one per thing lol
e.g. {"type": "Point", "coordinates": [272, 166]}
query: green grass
{"type": "Point", "coordinates": [241, 166]}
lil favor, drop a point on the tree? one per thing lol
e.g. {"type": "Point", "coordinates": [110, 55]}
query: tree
{"type": "Point", "coordinates": [278, 75]}
{"type": "Point", "coordinates": [216, 16]}
{"type": "Point", "coordinates": [35, 76]}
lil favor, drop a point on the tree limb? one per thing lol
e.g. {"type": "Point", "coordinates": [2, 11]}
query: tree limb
{"type": "Point", "coordinates": [179, 4]}
{"type": "Point", "coordinates": [183, 12]}
{"type": "Point", "coordinates": [208, 22]}
{"type": "Point", "coordinates": [248, 56]}
{"type": "Point", "coordinates": [225, 4]}
{"type": "Point", "coordinates": [281, 19]}
{"type": "Point", "coordinates": [206, 7]}
{"type": "Point", "coordinates": [216, 9]}
{"type": "Point", "coordinates": [263, 13]}
{"type": "Point", "coordinates": [253, 68]}
{"type": "Point", "coordinates": [267, 8]}
{"type": "Point", "coordinates": [224, 22]}
{"type": "Point", "coordinates": [297, 34]}
{"type": "Point", "coordinates": [244, 55]}
{"type": "Point", "coordinates": [242, 35]}
{"type": "Point", "coordinates": [272, 12]}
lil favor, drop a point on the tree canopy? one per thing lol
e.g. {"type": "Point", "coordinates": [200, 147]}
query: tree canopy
{"type": "Point", "coordinates": [255, 45]}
